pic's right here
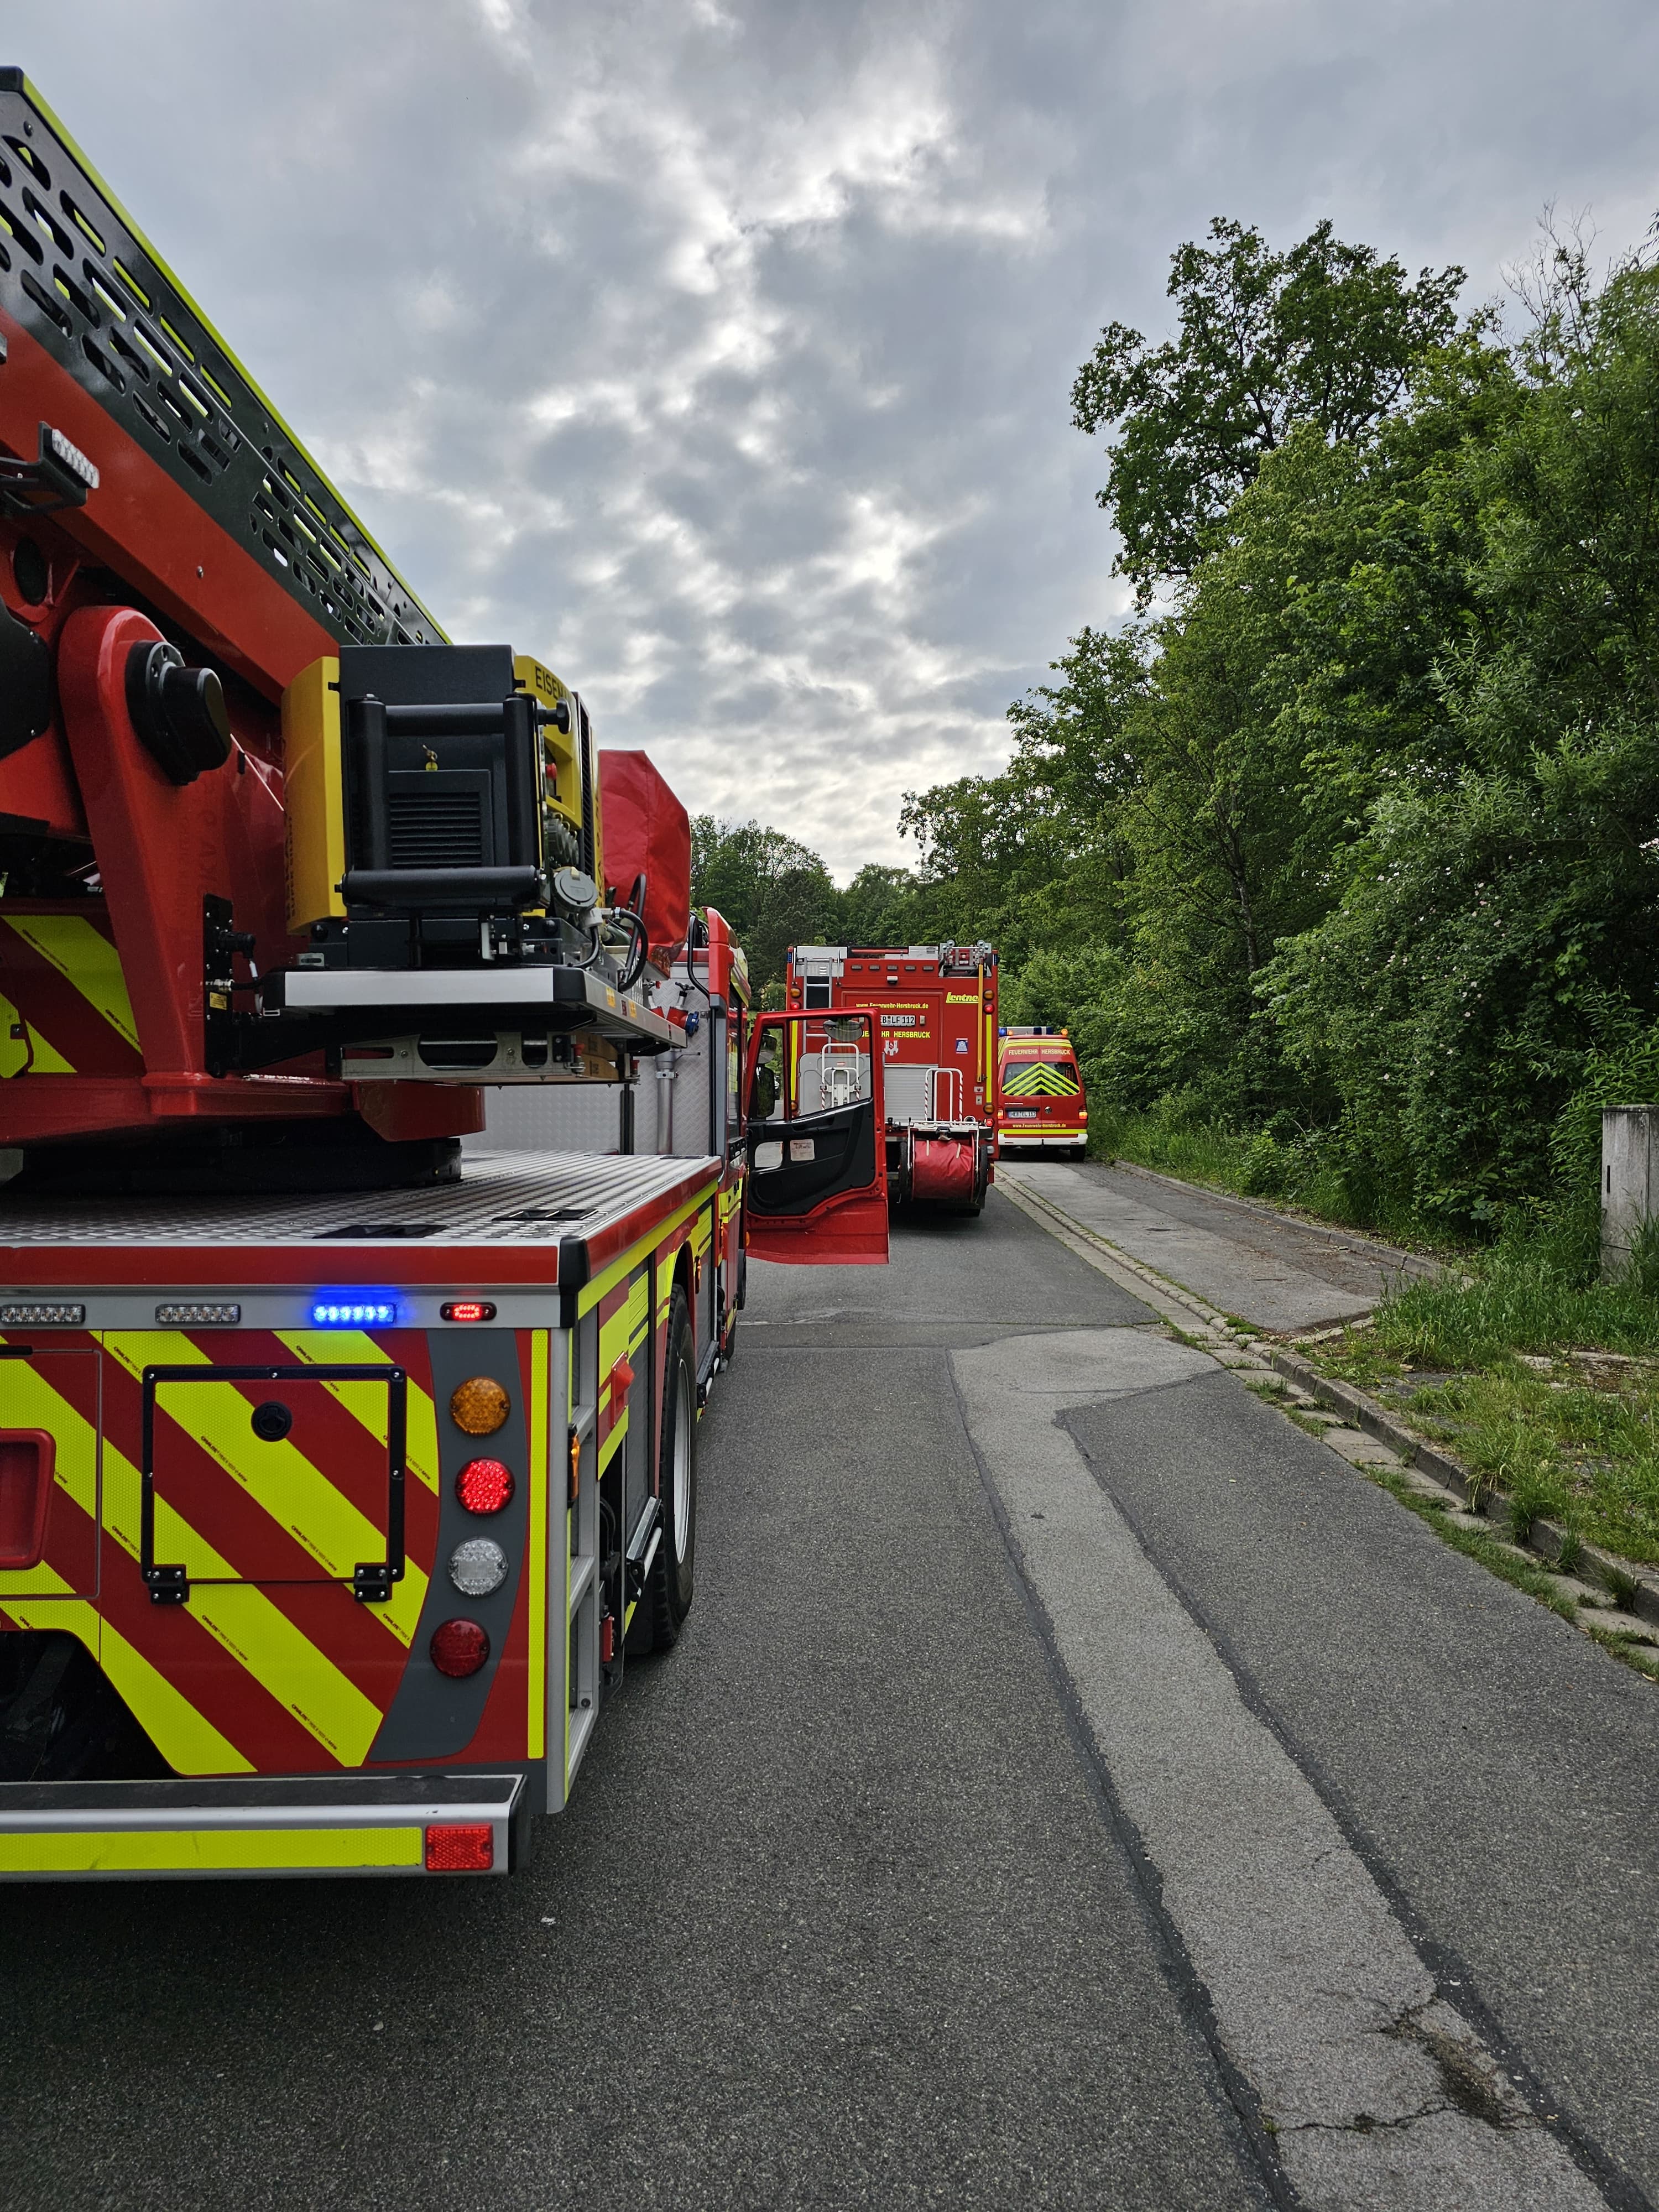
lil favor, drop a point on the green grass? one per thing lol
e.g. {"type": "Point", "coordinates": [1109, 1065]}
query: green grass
{"type": "Point", "coordinates": [1206, 1153]}
{"type": "Point", "coordinates": [1476, 1543]}
{"type": "Point", "coordinates": [1505, 1343]}
{"type": "Point", "coordinates": [1249, 1164]}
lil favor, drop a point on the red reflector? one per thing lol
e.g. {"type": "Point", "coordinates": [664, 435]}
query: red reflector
{"type": "Point", "coordinates": [485, 1486]}
{"type": "Point", "coordinates": [468, 1309]}
{"type": "Point", "coordinates": [460, 1849]}
{"type": "Point", "coordinates": [459, 1648]}
{"type": "Point", "coordinates": [622, 1379]}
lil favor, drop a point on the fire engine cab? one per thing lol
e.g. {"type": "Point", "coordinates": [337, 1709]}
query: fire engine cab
{"type": "Point", "coordinates": [345, 1460]}
{"type": "Point", "coordinates": [935, 1011]}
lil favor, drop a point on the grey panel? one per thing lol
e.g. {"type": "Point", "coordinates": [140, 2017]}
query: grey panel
{"type": "Point", "coordinates": [488, 1206]}
{"type": "Point", "coordinates": [432, 1716]}
{"type": "Point", "coordinates": [550, 1117]}
{"type": "Point", "coordinates": [907, 1092]}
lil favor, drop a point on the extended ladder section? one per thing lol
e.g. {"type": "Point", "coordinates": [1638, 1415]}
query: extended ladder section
{"type": "Point", "coordinates": [280, 820]}
{"type": "Point", "coordinates": [84, 282]}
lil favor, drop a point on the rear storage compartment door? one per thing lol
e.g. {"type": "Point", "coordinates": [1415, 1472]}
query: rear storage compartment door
{"type": "Point", "coordinates": [248, 1461]}
{"type": "Point", "coordinates": [49, 1475]}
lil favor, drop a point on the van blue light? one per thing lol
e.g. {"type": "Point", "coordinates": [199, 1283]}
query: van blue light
{"type": "Point", "coordinates": [352, 1309]}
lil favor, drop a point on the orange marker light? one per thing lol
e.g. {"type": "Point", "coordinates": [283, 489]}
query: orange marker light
{"type": "Point", "coordinates": [479, 1405]}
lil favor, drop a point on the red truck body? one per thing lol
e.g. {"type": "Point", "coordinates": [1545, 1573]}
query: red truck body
{"type": "Point", "coordinates": [340, 1471]}
{"type": "Point", "coordinates": [936, 1013]}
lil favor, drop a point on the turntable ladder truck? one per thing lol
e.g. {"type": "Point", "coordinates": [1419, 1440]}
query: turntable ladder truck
{"type": "Point", "coordinates": [341, 1474]}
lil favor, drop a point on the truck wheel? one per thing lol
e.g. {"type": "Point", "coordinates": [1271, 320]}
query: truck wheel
{"type": "Point", "coordinates": [667, 1597]}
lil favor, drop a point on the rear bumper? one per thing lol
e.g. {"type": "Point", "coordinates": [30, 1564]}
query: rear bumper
{"type": "Point", "coordinates": [254, 1825]}
{"type": "Point", "coordinates": [1034, 1140]}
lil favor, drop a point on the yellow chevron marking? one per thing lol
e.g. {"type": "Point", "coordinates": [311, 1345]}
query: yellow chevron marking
{"type": "Point", "coordinates": [209, 1851]}
{"type": "Point", "coordinates": [539, 1413]}
{"type": "Point", "coordinates": [27, 1053]}
{"type": "Point", "coordinates": [260, 1637]}
{"type": "Point", "coordinates": [604, 1284]}
{"type": "Point", "coordinates": [367, 1402]}
{"type": "Point", "coordinates": [187, 1741]}
{"type": "Point", "coordinates": [38, 1581]}
{"type": "Point", "coordinates": [638, 1310]}
{"type": "Point", "coordinates": [85, 957]}
{"type": "Point", "coordinates": [279, 1478]}
{"type": "Point", "coordinates": [1043, 1080]}
{"type": "Point", "coordinates": [241, 1619]}
{"type": "Point", "coordinates": [609, 1448]}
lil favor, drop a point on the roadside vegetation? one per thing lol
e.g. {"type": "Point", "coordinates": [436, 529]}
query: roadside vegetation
{"type": "Point", "coordinates": [1340, 856]}
{"type": "Point", "coordinates": [1541, 1379]}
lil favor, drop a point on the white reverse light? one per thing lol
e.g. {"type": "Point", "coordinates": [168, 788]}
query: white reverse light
{"type": "Point", "coordinates": [477, 1566]}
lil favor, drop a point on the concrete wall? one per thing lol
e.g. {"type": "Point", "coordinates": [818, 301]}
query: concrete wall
{"type": "Point", "coordinates": [1630, 1180]}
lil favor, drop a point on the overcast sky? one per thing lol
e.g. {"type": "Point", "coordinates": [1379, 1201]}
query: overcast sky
{"type": "Point", "coordinates": [719, 351]}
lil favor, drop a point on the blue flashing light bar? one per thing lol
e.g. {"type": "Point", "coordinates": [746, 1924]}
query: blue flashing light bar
{"type": "Point", "coordinates": [352, 1309]}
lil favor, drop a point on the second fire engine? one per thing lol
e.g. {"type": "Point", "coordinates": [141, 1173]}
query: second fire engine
{"type": "Point", "coordinates": [935, 1010]}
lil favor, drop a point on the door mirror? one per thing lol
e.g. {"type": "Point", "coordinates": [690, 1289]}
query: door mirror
{"type": "Point", "coordinates": [814, 1134]}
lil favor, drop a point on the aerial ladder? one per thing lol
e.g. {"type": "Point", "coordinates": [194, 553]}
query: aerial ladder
{"type": "Point", "coordinates": [345, 1461]}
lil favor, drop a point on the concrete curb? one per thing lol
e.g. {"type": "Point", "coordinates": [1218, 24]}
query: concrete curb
{"type": "Point", "coordinates": [1544, 1537]}
{"type": "Point", "coordinates": [1181, 1309]}
{"type": "Point", "coordinates": [1635, 1587]}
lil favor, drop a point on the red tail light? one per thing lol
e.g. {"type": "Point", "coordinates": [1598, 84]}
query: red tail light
{"type": "Point", "coordinates": [461, 1847]}
{"type": "Point", "coordinates": [459, 1648]}
{"type": "Point", "coordinates": [485, 1486]}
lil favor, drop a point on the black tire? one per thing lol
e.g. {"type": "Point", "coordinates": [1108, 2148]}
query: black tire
{"type": "Point", "coordinates": [668, 1593]}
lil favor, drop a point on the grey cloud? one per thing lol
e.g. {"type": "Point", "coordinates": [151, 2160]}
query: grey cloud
{"type": "Point", "coordinates": [720, 353]}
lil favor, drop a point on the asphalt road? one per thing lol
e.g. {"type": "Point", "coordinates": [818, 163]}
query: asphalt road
{"type": "Point", "coordinates": [1026, 1817]}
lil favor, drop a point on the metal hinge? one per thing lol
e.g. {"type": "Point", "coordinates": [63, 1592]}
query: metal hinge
{"type": "Point", "coordinates": [372, 1581]}
{"type": "Point", "coordinates": [167, 1585]}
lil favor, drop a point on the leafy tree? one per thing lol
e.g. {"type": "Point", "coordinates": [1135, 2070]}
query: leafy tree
{"type": "Point", "coordinates": [772, 890]}
{"type": "Point", "coordinates": [1327, 334]}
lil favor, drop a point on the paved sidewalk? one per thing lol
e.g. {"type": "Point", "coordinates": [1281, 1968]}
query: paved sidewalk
{"type": "Point", "coordinates": [1278, 1274]}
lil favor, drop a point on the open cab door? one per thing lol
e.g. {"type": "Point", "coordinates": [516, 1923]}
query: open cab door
{"type": "Point", "coordinates": [815, 1140]}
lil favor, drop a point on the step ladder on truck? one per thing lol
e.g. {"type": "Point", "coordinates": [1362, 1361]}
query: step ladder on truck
{"type": "Point", "coordinates": [341, 1470]}
{"type": "Point", "coordinates": [935, 1012]}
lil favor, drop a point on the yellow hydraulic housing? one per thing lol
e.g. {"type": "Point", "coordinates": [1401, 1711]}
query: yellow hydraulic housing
{"type": "Point", "coordinates": [315, 788]}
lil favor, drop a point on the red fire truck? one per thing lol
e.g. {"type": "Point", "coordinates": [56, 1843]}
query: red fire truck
{"type": "Point", "coordinates": [936, 1013]}
{"type": "Point", "coordinates": [340, 1470]}
{"type": "Point", "coordinates": [1040, 1099]}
